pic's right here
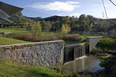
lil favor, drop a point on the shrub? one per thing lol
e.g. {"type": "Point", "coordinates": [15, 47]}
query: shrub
{"type": "Point", "coordinates": [40, 37]}
{"type": "Point", "coordinates": [96, 50]}
{"type": "Point", "coordinates": [33, 37]}
{"type": "Point", "coordinates": [107, 44]}
{"type": "Point", "coordinates": [67, 37]}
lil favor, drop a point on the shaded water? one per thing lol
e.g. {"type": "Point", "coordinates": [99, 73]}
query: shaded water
{"type": "Point", "coordinates": [84, 63]}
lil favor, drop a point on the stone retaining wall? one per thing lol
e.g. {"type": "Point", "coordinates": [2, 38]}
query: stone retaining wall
{"type": "Point", "coordinates": [48, 53]}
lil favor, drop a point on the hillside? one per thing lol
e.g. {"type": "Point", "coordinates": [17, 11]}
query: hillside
{"type": "Point", "coordinates": [54, 18]}
{"type": "Point", "coordinates": [19, 16]}
{"type": "Point", "coordinates": [35, 18]}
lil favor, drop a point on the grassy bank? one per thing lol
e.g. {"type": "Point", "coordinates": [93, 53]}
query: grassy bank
{"type": "Point", "coordinates": [10, 68]}
{"type": "Point", "coordinates": [109, 63]}
{"type": "Point", "coordinates": [6, 41]}
{"type": "Point", "coordinates": [16, 69]}
{"type": "Point", "coordinates": [12, 30]}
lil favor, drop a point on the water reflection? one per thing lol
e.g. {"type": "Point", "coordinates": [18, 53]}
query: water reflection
{"type": "Point", "coordinates": [89, 63]}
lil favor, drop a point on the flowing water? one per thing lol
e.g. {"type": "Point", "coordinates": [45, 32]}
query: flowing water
{"type": "Point", "coordinates": [84, 63]}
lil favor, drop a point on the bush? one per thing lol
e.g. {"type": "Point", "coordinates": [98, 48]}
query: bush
{"type": "Point", "coordinates": [39, 37]}
{"type": "Point", "coordinates": [33, 37]}
{"type": "Point", "coordinates": [96, 50]}
{"type": "Point", "coordinates": [67, 37]}
{"type": "Point", "coordinates": [107, 44]}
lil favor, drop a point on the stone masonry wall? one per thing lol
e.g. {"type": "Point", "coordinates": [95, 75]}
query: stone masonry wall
{"type": "Point", "coordinates": [48, 53]}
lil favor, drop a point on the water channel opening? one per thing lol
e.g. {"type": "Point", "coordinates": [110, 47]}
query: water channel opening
{"type": "Point", "coordinates": [69, 54]}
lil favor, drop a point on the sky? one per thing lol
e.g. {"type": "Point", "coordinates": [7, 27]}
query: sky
{"type": "Point", "coordinates": [46, 8]}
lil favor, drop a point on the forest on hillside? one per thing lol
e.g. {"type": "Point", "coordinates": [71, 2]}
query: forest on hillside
{"type": "Point", "coordinates": [82, 24]}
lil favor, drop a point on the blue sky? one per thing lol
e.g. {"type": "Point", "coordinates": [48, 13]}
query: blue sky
{"type": "Point", "coordinates": [46, 8]}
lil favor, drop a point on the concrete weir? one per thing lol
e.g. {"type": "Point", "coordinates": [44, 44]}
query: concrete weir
{"type": "Point", "coordinates": [93, 42]}
{"type": "Point", "coordinates": [48, 53]}
{"type": "Point", "coordinates": [74, 51]}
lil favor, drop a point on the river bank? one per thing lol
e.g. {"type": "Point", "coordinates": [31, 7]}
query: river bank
{"type": "Point", "coordinates": [99, 65]}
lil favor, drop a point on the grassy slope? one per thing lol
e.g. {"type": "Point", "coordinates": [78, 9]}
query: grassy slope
{"type": "Point", "coordinates": [11, 30]}
{"type": "Point", "coordinates": [15, 69]}
{"type": "Point", "coordinates": [6, 41]}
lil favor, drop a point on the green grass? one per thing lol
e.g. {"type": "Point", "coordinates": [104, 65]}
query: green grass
{"type": "Point", "coordinates": [6, 41]}
{"type": "Point", "coordinates": [45, 36]}
{"type": "Point", "coordinates": [12, 30]}
{"type": "Point", "coordinates": [15, 69]}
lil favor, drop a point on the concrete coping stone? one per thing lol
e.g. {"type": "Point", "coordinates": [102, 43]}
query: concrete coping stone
{"type": "Point", "coordinates": [33, 43]}
{"type": "Point", "coordinates": [95, 37]}
{"type": "Point", "coordinates": [74, 44]}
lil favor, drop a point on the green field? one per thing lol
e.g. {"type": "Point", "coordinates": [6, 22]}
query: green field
{"type": "Point", "coordinates": [12, 30]}
{"type": "Point", "coordinates": [6, 41]}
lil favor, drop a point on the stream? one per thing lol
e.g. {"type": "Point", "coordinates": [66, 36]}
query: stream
{"type": "Point", "coordinates": [84, 63]}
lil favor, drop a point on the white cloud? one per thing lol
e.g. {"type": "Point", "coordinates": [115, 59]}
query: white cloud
{"type": "Point", "coordinates": [57, 6]}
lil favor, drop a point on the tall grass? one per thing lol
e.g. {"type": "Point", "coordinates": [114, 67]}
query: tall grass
{"type": "Point", "coordinates": [40, 37]}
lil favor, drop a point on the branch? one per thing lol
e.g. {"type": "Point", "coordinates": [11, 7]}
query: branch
{"type": "Point", "coordinates": [112, 2]}
{"type": "Point", "coordinates": [104, 8]}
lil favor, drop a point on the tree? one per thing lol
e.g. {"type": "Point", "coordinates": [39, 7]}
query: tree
{"type": "Point", "coordinates": [36, 28]}
{"type": "Point", "coordinates": [65, 20]}
{"type": "Point", "coordinates": [46, 25]}
{"type": "Point", "coordinates": [65, 28]}
{"type": "Point", "coordinates": [74, 24]}
{"type": "Point", "coordinates": [82, 21]}
{"type": "Point", "coordinates": [103, 26]}
{"type": "Point", "coordinates": [26, 25]}
{"type": "Point", "coordinates": [91, 26]}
